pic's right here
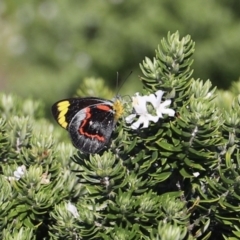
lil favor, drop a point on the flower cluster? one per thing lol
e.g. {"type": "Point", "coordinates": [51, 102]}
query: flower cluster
{"type": "Point", "coordinates": [140, 109]}
{"type": "Point", "coordinates": [18, 173]}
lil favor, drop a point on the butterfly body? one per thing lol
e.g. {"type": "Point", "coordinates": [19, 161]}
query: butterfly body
{"type": "Point", "coordinates": [89, 121]}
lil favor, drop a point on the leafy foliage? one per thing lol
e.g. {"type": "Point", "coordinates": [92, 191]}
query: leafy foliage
{"type": "Point", "coordinates": [176, 179]}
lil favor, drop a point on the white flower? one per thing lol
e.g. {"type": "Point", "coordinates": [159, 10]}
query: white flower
{"type": "Point", "coordinates": [140, 107]}
{"type": "Point", "coordinates": [196, 174]}
{"type": "Point", "coordinates": [161, 108]}
{"type": "Point", "coordinates": [72, 209]}
{"type": "Point", "coordinates": [19, 172]}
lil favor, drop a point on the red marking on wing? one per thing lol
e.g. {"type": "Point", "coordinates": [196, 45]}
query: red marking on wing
{"type": "Point", "coordinates": [104, 107]}
{"type": "Point", "coordinates": [84, 122]}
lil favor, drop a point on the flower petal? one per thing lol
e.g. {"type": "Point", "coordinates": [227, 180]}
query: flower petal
{"type": "Point", "coordinates": [136, 124]}
{"type": "Point", "coordinates": [129, 119]}
{"type": "Point", "coordinates": [159, 94]}
{"type": "Point", "coordinates": [166, 103]}
{"type": "Point", "coordinates": [170, 112]}
{"type": "Point", "coordinates": [162, 109]}
{"type": "Point", "coordinates": [139, 104]}
{"type": "Point", "coordinates": [155, 99]}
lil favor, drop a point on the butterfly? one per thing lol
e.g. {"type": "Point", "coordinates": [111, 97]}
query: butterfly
{"type": "Point", "coordinates": [90, 121]}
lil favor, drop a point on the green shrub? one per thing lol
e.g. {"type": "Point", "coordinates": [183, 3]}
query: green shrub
{"type": "Point", "coordinates": [178, 178]}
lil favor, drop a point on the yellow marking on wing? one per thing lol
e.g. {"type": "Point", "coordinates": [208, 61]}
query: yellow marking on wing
{"type": "Point", "coordinates": [63, 109]}
{"type": "Point", "coordinates": [62, 113]}
{"type": "Point", "coordinates": [62, 122]}
{"type": "Point", "coordinates": [62, 105]}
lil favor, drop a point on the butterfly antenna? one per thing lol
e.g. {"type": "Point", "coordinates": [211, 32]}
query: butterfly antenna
{"type": "Point", "coordinates": [117, 83]}
{"type": "Point", "coordinates": [122, 83]}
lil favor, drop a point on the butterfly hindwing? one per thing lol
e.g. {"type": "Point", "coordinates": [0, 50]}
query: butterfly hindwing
{"type": "Point", "coordinates": [91, 128]}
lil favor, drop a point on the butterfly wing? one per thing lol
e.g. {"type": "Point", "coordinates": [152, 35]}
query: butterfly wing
{"type": "Point", "coordinates": [91, 128]}
{"type": "Point", "coordinates": [90, 121]}
{"type": "Point", "coordinates": [64, 110]}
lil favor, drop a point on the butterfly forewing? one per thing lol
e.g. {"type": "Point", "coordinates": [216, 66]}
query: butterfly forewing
{"type": "Point", "coordinates": [64, 110]}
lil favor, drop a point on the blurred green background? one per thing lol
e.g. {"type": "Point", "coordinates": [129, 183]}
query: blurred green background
{"type": "Point", "coordinates": [48, 47]}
